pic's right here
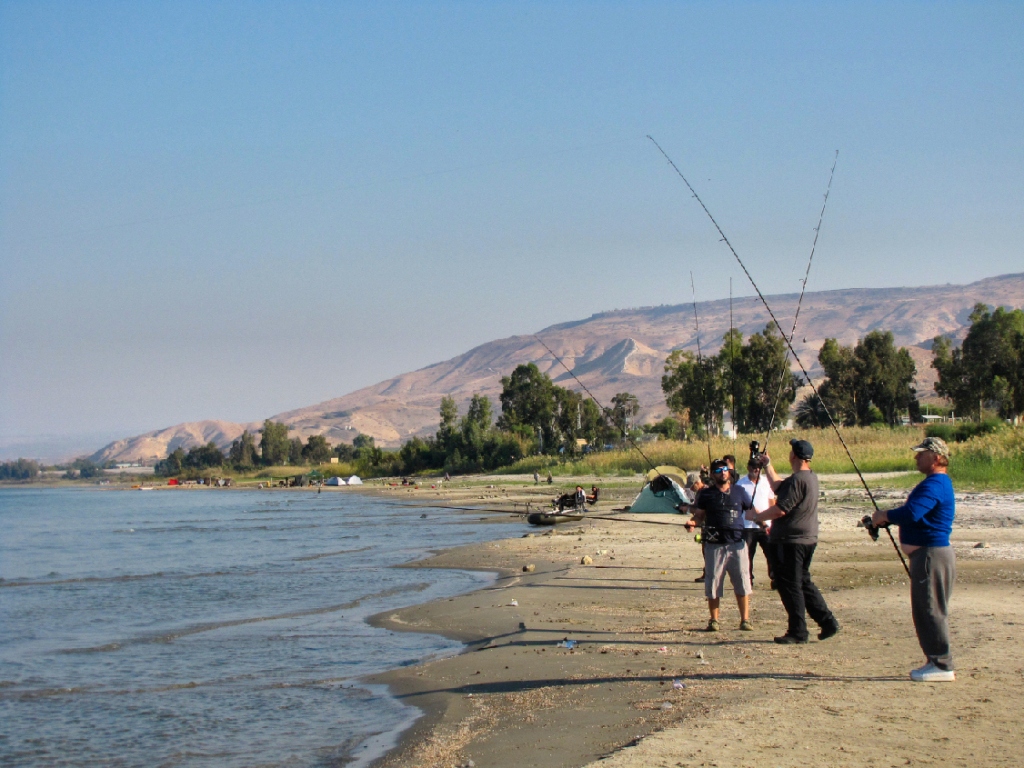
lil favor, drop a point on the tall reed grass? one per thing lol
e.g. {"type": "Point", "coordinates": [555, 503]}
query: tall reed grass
{"type": "Point", "coordinates": [875, 449]}
{"type": "Point", "coordinates": [994, 461]}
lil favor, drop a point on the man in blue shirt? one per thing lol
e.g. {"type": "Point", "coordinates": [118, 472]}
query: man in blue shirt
{"type": "Point", "coordinates": [925, 522]}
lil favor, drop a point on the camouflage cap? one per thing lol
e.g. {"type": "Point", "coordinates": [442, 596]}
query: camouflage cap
{"type": "Point", "coordinates": [934, 444]}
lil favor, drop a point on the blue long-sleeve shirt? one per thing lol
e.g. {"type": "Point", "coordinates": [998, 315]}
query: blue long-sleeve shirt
{"type": "Point", "coordinates": [926, 520]}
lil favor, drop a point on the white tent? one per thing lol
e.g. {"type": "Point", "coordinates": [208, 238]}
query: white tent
{"type": "Point", "coordinates": [354, 480]}
{"type": "Point", "coordinates": [335, 481]}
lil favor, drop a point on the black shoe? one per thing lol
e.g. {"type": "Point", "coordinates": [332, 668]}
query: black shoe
{"type": "Point", "coordinates": [790, 640]}
{"type": "Point", "coordinates": [699, 578]}
{"type": "Point", "coordinates": [772, 587]}
{"type": "Point", "coordinates": [829, 630]}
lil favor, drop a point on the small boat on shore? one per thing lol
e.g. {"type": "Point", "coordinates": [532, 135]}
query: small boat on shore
{"type": "Point", "coordinates": [554, 517]}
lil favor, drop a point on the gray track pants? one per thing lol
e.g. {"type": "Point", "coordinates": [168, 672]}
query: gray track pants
{"type": "Point", "coordinates": [932, 573]}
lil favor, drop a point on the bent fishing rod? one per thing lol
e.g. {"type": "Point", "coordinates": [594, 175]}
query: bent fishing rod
{"type": "Point", "coordinates": [788, 341]}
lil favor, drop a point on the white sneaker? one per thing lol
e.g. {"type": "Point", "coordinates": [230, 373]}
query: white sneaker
{"type": "Point", "coordinates": [930, 673]}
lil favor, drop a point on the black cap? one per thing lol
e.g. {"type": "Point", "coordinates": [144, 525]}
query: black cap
{"type": "Point", "coordinates": [719, 464]}
{"type": "Point", "coordinates": [802, 449]}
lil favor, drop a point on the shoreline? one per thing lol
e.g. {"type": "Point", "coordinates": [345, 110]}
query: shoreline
{"type": "Point", "coordinates": [431, 710]}
{"type": "Point", "coordinates": [512, 697]}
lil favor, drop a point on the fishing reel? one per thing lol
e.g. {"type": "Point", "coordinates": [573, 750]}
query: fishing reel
{"type": "Point", "coordinates": [872, 529]}
{"type": "Point", "coordinates": [756, 455]}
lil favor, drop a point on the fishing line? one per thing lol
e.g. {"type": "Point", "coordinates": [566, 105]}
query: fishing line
{"type": "Point", "coordinates": [700, 367]}
{"type": "Point", "coordinates": [796, 317]}
{"type": "Point", "coordinates": [788, 341]}
{"type": "Point", "coordinates": [603, 410]}
{"type": "Point", "coordinates": [732, 370]}
{"type": "Point", "coordinates": [800, 301]}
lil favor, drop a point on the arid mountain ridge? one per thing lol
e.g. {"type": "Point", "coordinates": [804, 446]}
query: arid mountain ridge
{"type": "Point", "coordinates": [610, 352]}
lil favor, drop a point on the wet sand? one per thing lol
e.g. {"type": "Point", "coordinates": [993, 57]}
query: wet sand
{"type": "Point", "coordinates": [645, 685]}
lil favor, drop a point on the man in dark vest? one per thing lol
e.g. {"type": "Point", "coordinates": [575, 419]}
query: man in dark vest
{"type": "Point", "coordinates": [794, 537]}
{"type": "Point", "coordinates": [719, 510]}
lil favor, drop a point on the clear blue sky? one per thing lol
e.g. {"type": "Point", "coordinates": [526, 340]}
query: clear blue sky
{"type": "Point", "coordinates": [229, 209]}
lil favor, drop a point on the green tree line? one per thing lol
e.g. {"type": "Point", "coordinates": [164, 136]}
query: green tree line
{"type": "Point", "coordinates": [987, 370]}
{"type": "Point", "coordinates": [537, 417]}
{"type": "Point", "coordinates": [275, 448]}
{"type": "Point", "coordinates": [868, 383]}
{"type": "Point", "coordinates": [22, 469]}
{"type": "Point", "coordinates": [751, 378]}
{"type": "Point", "coordinates": [871, 382]}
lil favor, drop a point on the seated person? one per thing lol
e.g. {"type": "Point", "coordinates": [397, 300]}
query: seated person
{"type": "Point", "coordinates": [576, 500]}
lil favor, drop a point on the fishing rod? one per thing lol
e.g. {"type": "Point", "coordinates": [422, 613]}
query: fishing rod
{"type": "Point", "coordinates": [732, 369]}
{"type": "Point", "coordinates": [800, 301]}
{"type": "Point", "coordinates": [520, 514]}
{"type": "Point", "coordinates": [788, 341]}
{"type": "Point", "coordinates": [700, 367]}
{"type": "Point", "coordinates": [756, 448]}
{"type": "Point", "coordinates": [604, 411]}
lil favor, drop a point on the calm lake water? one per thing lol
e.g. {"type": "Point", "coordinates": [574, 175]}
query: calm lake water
{"type": "Point", "coordinates": [210, 628]}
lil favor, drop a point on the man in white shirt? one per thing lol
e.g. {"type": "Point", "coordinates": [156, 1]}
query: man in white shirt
{"type": "Point", "coordinates": [757, 533]}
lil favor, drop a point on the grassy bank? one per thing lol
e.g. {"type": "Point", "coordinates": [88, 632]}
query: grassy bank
{"type": "Point", "coordinates": [994, 461]}
{"type": "Point", "coordinates": [986, 462]}
{"type": "Point", "coordinates": [876, 450]}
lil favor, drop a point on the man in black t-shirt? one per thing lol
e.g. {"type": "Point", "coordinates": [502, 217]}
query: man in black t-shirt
{"type": "Point", "coordinates": [794, 537]}
{"type": "Point", "coordinates": [719, 509]}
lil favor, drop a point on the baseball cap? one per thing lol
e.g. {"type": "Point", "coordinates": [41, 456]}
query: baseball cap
{"type": "Point", "coordinates": [718, 464]}
{"type": "Point", "coordinates": [934, 444]}
{"type": "Point", "coordinates": [802, 449]}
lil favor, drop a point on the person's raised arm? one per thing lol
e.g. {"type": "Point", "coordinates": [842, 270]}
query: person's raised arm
{"type": "Point", "coordinates": [768, 470]}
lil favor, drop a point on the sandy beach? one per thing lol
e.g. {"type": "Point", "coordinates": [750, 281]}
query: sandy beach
{"type": "Point", "coordinates": [645, 685]}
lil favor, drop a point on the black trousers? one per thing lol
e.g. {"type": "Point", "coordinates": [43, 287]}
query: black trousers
{"type": "Point", "coordinates": [753, 537]}
{"type": "Point", "coordinates": [798, 593]}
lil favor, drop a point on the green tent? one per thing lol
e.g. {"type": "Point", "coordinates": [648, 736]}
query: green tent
{"type": "Point", "coordinates": [662, 494]}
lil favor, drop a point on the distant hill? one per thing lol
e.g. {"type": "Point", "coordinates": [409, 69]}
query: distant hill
{"type": "Point", "coordinates": [157, 444]}
{"type": "Point", "coordinates": [622, 350]}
